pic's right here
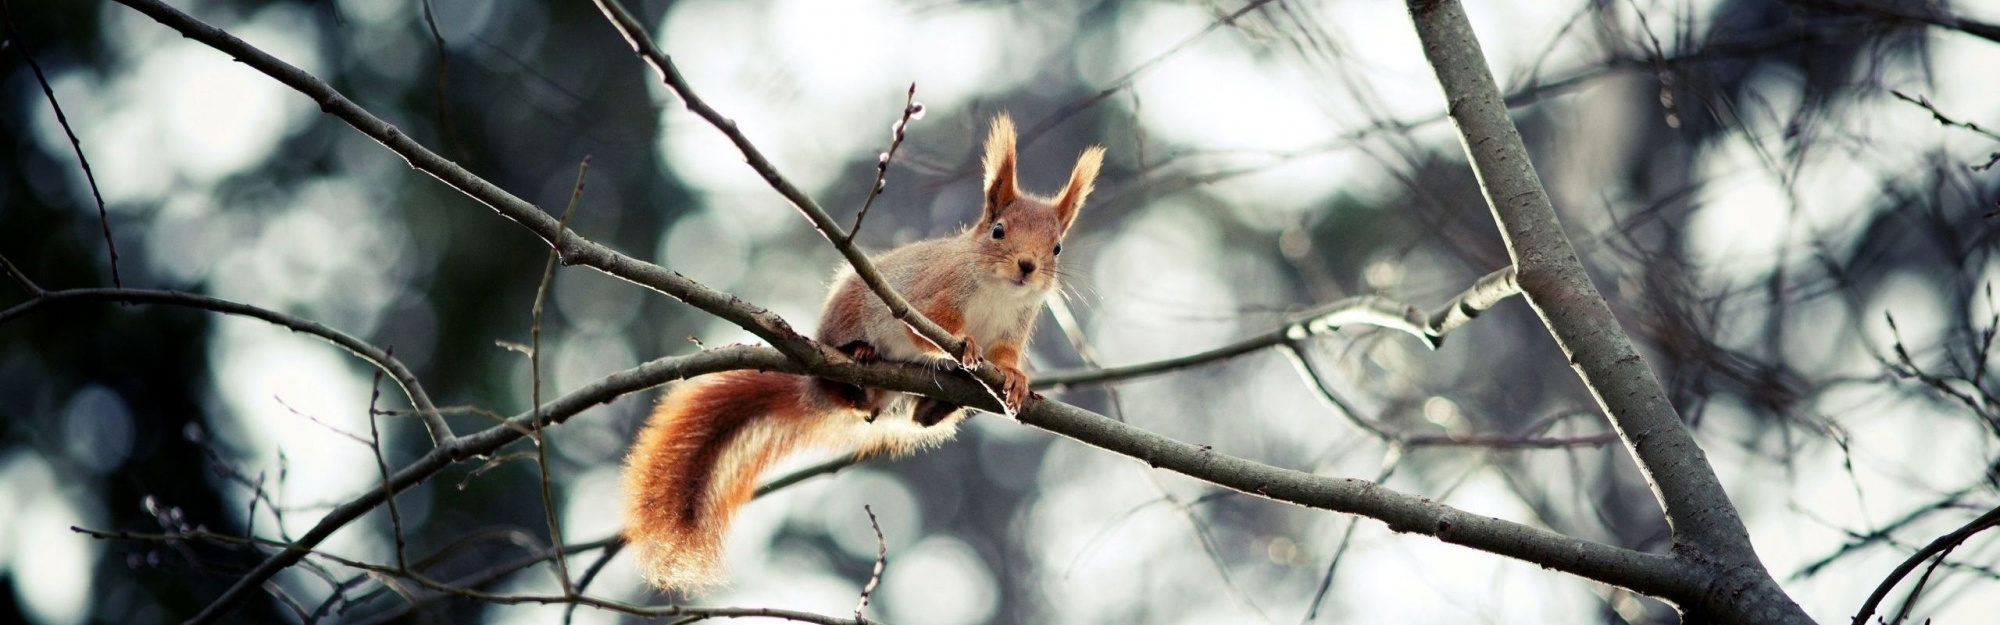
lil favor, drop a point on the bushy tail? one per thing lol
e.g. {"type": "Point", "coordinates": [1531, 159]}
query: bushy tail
{"type": "Point", "coordinates": [697, 461]}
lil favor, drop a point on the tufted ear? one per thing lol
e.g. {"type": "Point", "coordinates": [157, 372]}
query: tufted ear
{"type": "Point", "coordinates": [1081, 180]}
{"type": "Point", "coordinates": [1000, 187]}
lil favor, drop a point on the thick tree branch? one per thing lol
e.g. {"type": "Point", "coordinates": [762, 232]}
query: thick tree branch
{"type": "Point", "coordinates": [1706, 528]}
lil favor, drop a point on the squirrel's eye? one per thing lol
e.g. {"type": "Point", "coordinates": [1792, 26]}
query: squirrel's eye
{"type": "Point", "coordinates": [999, 230]}
{"type": "Point", "coordinates": [1058, 249]}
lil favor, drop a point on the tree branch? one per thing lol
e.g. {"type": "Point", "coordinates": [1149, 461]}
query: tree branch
{"type": "Point", "coordinates": [103, 218]}
{"type": "Point", "coordinates": [863, 268]}
{"type": "Point", "coordinates": [407, 380]}
{"type": "Point", "coordinates": [1647, 573]}
{"type": "Point", "coordinates": [486, 442]}
{"type": "Point", "coordinates": [1484, 294]}
{"type": "Point", "coordinates": [1706, 528]}
{"type": "Point", "coordinates": [1930, 15]}
{"type": "Point", "coordinates": [1943, 543]}
{"type": "Point", "coordinates": [1407, 513]}
{"type": "Point", "coordinates": [575, 249]}
{"type": "Point", "coordinates": [463, 592]}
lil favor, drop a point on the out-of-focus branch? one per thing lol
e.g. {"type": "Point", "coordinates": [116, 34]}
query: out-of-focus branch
{"type": "Point", "coordinates": [1374, 426]}
{"type": "Point", "coordinates": [1647, 573]}
{"type": "Point", "coordinates": [463, 592]}
{"type": "Point", "coordinates": [1707, 530]}
{"type": "Point", "coordinates": [575, 248]}
{"type": "Point", "coordinates": [486, 442]}
{"type": "Point", "coordinates": [1943, 543]}
{"type": "Point", "coordinates": [382, 360]}
{"type": "Point", "coordinates": [1381, 312]}
{"type": "Point", "coordinates": [1131, 76]}
{"type": "Point", "coordinates": [611, 546]}
{"type": "Point", "coordinates": [1940, 118]}
{"type": "Point", "coordinates": [1930, 14]}
{"type": "Point", "coordinates": [27, 284]}
{"type": "Point", "coordinates": [103, 217]}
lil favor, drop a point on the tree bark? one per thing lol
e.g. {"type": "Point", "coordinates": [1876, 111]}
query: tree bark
{"type": "Point", "coordinates": [1707, 532]}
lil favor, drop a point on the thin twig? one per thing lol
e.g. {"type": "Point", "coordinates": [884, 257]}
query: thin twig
{"type": "Point", "coordinates": [899, 308]}
{"type": "Point", "coordinates": [1917, 591]}
{"type": "Point", "coordinates": [1930, 14]}
{"type": "Point", "coordinates": [382, 465]}
{"type": "Point", "coordinates": [1346, 540]}
{"type": "Point", "coordinates": [590, 573]}
{"type": "Point", "coordinates": [1333, 401]}
{"type": "Point", "coordinates": [414, 390]}
{"type": "Point", "coordinates": [298, 609]}
{"type": "Point", "coordinates": [912, 110]}
{"type": "Point", "coordinates": [881, 562]}
{"type": "Point", "coordinates": [103, 217]}
{"type": "Point", "coordinates": [540, 436]}
{"type": "Point", "coordinates": [825, 468]}
{"type": "Point", "coordinates": [1858, 540]}
{"type": "Point", "coordinates": [444, 73]}
{"type": "Point", "coordinates": [485, 442]}
{"type": "Point", "coordinates": [34, 290]}
{"type": "Point", "coordinates": [1943, 543]}
{"type": "Point", "coordinates": [576, 249]}
{"type": "Point", "coordinates": [1332, 566]}
{"type": "Point", "coordinates": [317, 421]}
{"type": "Point", "coordinates": [1431, 328]}
{"type": "Point", "coordinates": [464, 592]}
{"type": "Point", "coordinates": [1938, 115]}
{"type": "Point", "coordinates": [1131, 76]}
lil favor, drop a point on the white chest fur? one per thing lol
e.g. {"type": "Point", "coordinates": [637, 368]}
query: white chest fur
{"type": "Point", "coordinates": [994, 313]}
{"type": "Point", "coordinates": [991, 315]}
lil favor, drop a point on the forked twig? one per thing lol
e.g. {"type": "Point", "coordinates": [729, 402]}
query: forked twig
{"type": "Point", "coordinates": [540, 436]}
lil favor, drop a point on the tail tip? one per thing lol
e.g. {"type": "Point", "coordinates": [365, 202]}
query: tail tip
{"type": "Point", "coordinates": [676, 567]}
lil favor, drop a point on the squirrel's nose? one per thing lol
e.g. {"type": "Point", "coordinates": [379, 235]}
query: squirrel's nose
{"type": "Point", "coordinates": [1027, 266]}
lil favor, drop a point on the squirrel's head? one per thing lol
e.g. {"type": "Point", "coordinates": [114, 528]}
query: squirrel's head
{"type": "Point", "coordinates": [1019, 235]}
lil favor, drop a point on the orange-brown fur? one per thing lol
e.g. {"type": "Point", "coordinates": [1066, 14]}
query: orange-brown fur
{"type": "Point", "coordinates": [698, 457]}
{"type": "Point", "coordinates": [681, 495]}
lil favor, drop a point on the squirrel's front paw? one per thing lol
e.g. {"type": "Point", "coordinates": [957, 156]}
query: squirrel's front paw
{"type": "Point", "coordinates": [970, 355]}
{"type": "Point", "coordinates": [1015, 389]}
{"type": "Point", "coordinates": [860, 351]}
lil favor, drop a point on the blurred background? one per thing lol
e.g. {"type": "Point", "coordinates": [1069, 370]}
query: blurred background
{"type": "Point", "coordinates": [1740, 176]}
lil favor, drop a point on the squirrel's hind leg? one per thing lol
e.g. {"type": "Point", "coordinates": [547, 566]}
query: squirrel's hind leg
{"type": "Point", "coordinates": [930, 412]}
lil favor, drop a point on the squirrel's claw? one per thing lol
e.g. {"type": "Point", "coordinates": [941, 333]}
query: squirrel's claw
{"type": "Point", "coordinates": [860, 351]}
{"type": "Point", "coordinates": [970, 356]}
{"type": "Point", "coordinates": [1015, 389]}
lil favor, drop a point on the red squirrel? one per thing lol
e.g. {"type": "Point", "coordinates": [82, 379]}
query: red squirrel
{"type": "Point", "coordinates": [698, 457]}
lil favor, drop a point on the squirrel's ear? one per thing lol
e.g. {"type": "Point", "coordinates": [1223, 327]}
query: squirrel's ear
{"type": "Point", "coordinates": [1081, 180]}
{"type": "Point", "coordinates": [1000, 189]}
